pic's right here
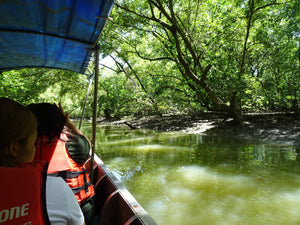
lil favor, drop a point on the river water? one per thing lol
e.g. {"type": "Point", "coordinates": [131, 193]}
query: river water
{"type": "Point", "coordinates": [186, 179]}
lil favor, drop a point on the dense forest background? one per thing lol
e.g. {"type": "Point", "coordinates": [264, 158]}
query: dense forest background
{"type": "Point", "coordinates": [182, 56]}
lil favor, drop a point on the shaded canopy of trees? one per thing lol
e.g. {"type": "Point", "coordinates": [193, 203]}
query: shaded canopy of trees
{"type": "Point", "coordinates": [45, 85]}
{"type": "Point", "coordinates": [232, 56]}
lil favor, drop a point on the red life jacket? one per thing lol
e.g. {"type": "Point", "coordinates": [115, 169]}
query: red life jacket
{"type": "Point", "coordinates": [61, 164]}
{"type": "Point", "coordinates": [23, 198]}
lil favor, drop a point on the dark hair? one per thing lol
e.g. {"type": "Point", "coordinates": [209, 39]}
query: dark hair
{"type": "Point", "coordinates": [16, 122]}
{"type": "Point", "coordinates": [50, 118]}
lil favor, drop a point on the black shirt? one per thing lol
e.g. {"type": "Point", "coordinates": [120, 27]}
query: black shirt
{"type": "Point", "coordinates": [78, 148]}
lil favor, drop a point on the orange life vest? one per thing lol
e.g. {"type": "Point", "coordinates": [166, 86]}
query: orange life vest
{"type": "Point", "coordinates": [61, 164]}
{"type": "Point", "coordinates": [23, 194]}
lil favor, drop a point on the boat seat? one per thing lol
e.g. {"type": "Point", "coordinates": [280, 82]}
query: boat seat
{"type": "Point", "coordinates": [134, 220]}
{"type": "Point", "coordinates": [116, 205]}
{"type": "Point", "coordinates": [112, 207]}
{"type": "Point", "coordinates": [103, 190]}
{"type": "Point", "coordinates": [96, 172]}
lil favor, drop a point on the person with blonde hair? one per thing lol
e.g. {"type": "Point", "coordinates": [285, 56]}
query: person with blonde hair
{"type": "Point", "coordinates": [29, 196]}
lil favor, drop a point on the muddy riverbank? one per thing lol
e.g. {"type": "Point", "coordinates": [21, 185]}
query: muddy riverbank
{"type": "Point", "coordinates": [282, 128]}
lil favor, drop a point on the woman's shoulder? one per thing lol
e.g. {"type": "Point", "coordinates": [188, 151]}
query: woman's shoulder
{"type": "Point", "coordinates": [52, 184]}
{"type": "Point", "coordinates": [62, 206]}
{"type": "Point", "coordinates": [53, 181]}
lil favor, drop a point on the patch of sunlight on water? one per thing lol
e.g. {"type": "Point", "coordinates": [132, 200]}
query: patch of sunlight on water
{"type": "Point", "coordinates": [193, 195]}
{"type": "Point", "coordinates": [158, 147]}
{"type": "Point", "coordinates": [128, 141]}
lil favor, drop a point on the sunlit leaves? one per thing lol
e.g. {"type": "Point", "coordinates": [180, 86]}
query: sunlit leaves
{"type": "Point", "coordinates": [45, 85]}
{"type": "Point", "coordinates": [162, 48]}
{"type": "Point", "coordinates": [246, 42]}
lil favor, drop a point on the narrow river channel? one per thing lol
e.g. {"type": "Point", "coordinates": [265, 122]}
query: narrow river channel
{"type": "Point", "coordinates": [185, 179]}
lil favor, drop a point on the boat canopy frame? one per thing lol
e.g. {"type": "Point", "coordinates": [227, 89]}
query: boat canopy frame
{"type": "Point", "coordinates": [57, 34]}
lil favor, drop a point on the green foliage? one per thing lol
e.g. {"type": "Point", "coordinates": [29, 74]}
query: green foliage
{"type": "Point", "coordinates": [182, 56]}
{"type": "Point", "coordinates": [44, 85]}
{"type": "Point", "coordinates": [250, 47]}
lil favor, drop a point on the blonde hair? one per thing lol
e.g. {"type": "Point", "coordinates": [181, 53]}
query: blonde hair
{"type": "Point", "coordinates": [16, 122]}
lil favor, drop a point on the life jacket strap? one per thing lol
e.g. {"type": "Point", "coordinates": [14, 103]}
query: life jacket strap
{"type": "Point", "coordinates": [83, 187]}
{"type": "Point", "coordinates": [86, 184]}
{"type": "Point", "coordinates": [64, 174]}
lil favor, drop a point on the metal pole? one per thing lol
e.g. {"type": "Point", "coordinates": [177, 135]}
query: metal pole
{"type": "Point", "coordinates": [94, 121]}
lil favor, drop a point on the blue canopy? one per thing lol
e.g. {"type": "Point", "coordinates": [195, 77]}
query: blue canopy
{"type": "Point", "coordinates": [50, 33]}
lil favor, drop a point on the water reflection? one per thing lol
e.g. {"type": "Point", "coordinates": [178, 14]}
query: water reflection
{"type": "Point", "coordinates": [193, 179]}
